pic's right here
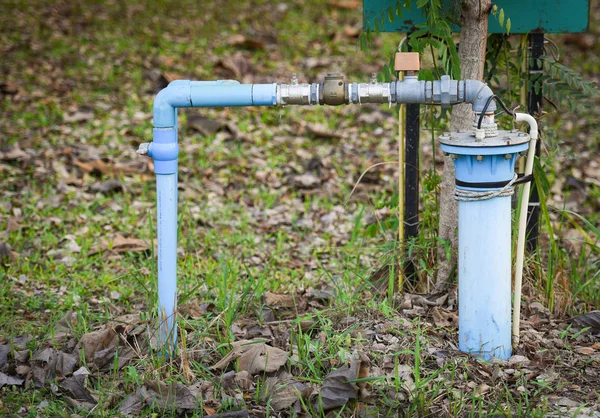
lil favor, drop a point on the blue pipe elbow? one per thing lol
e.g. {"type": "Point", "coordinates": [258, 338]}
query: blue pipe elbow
{"type": "Point", "coordinates": [220, 93]}
{"type": "Point", "coordinates": [176, 94]}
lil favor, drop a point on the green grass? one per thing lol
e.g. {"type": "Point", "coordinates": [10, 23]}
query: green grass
{"type": "Point", "coordinates": [238, 232]}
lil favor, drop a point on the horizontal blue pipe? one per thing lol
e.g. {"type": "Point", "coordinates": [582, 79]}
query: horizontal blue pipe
{"type": "Point", "coordinates": [220, 93]}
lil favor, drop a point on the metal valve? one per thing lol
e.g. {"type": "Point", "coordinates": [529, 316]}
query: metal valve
{"type": "Point", "coordinates": [334, 90]}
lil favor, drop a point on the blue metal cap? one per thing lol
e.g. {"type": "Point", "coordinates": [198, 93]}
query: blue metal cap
{"type": "Point", "coordinates": [488, 161]}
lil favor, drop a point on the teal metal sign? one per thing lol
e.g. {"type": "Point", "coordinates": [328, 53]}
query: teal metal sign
{"type": "Point", "coordinates": [542, 16]}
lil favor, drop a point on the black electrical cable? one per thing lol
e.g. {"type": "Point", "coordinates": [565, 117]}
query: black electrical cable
{"type": "Point", "coordinates": [487, 104]}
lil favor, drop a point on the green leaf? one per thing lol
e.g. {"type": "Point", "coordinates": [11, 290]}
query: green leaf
{"type": "Point", "coordinates": [508, 25]}
{"type": "Point", "coordinates": [539, 174]}
{"type": "Point", "coordinates": [426, 75]}
{"type": "Point", "coordinates": [501, 18]}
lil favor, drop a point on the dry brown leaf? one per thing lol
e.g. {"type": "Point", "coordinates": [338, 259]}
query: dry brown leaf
{"type": "Point", "coordinates": [95, 341]}
{"type": "Point", "coordinates": [245, 42]}
{"type": "Point", "coordinates": [132, 405]}
{"type": "Point", "coordinates": [14, 153]}
{"type": "Point", "coordinates": [124, 323]}
{"type": "Point", "coordinates": [236, 63]}
{"type": "Point", "coordinates": [75, 388]}
{"type": "Point", "coordinates": [4, 351]}
{"type": "Point", "coordinates": [590, 319]}
{"type": "Point", "coordinates": [107, 187]}
{"type": "Point", "coordinates": [63, 328]}
{"type": "Point", "coordinates": [208, 410]}
{"type": "Point", "coordinates": [444, 318]}
{"type": "Point", "coordinates": [12, 224]}
{"type": "Point", "coordinates": [322, 131]}
{"type": "Point", "coordinates": [164, 396]}
{"type": "Point", "coordinates": [7, 254]}
{"type": "Point", "coordinates": [243, 380]}
{"type": "Point", "coordinates": [203, 124]}
{"type": "Point", "coordinates": [259, 358]}
{"type": "Point", "coordinates": [65, 364]}
{"type": "Point", "coordinates": [276, 300]}
{"type": "Point", "coordinates": [586, 351]}
{"type": "Point", "coordinates": [283, 393]}
{"type": "Point", "coordinates": [346, 4]}
{"type": "Point", "coordinates": [169, 76]}
{"type": "Point", "coordinates": [9, 88]}
{"type": "Point", "coordinates": [99, 166]}
{"type": "Point", "coordinates": [80, 115]}
{"type": "Point", "coordinates": [306, 181]}
{"type": "Point", "coordinates": [482, 388]}
{"type": "Point", "coordinates": [195, 310]}
{"type": "Point", "coordinates": [121, 244]}
{"type": "Point", "coordinates": [352, 31]}
{"type": "Point", "coordinates": [255, 357]}
{"type": "Point", "coordinates": [6, 380]}
{"type": "Point", "coordinates": [337, 387]}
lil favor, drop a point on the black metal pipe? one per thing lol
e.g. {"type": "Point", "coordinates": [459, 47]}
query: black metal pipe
{"type": "Point", "coordinates": [534, 106]}
{"type": "Point", "coordinates": [411, 182]}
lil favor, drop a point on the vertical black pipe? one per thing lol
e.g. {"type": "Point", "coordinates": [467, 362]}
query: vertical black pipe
{"type": "Point", "coordinates": [411, 182]}
{"type": "Point", "coordinates": [534, 105]}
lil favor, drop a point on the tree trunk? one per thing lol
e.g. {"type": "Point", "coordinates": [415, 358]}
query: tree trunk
{"type": "Point", "coordinates": [473, 37]}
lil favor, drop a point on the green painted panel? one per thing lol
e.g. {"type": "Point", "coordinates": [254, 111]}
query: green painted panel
{"type": "Point", "coordinates": [548, 16]}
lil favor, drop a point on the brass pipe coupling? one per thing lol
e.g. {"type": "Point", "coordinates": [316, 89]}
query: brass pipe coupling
{"type": "Point", "coordinates": [335, 91]}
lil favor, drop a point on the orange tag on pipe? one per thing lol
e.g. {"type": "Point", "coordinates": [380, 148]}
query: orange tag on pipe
{"type": "Point", "coordinates": [407, 61]}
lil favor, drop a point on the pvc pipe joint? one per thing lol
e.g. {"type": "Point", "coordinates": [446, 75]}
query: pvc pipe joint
{"type": "Point", "coordinates": [165, 150]}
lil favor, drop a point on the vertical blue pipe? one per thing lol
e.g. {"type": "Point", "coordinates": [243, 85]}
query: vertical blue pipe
{"type": "Point", "coordinates": [166, 197]}
{"type": "Point", "coordinates": [484, 250]}
{"type": "Point", "coordinates": [484, 286]}
{"type": "Point", "coordinates": [165, 150]}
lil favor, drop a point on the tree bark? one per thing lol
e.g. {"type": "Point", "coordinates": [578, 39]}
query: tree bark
{"type": "Point", "coordinates": [471, 52]}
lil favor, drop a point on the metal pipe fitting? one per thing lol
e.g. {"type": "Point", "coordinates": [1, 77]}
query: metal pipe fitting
{"type": "Point", "coordinates": [299, 94]}
{"type": "Point", "coordinates": [477, 93]}
{"type": "Point", "coordinates": [334, 92]}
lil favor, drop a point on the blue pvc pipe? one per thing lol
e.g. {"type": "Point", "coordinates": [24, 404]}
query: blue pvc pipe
{"type": "Point", "coordinates": [165, 150]}
{"type": "Point", "coordinates": [166, 198]}
{"type": "Point", "coordinates": [484, 252]}
{"type": "Point", "coordinates": [220, 93]}
{"type": "Point", "coordinates": [484, 285]}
